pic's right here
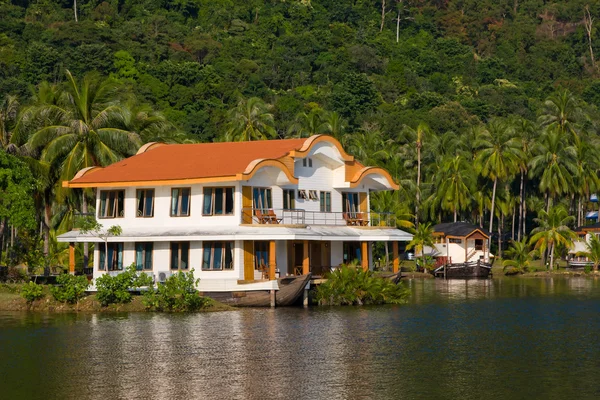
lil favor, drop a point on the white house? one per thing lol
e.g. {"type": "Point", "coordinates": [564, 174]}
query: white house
{"type": "Point", "coordinates": [460, 242]}
{"type": "Point", "coordinates": [584, 233]}
{"type": "Point", "coordinates": [239, 214]}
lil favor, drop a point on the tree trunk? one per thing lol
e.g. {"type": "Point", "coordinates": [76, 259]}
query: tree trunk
{"type": "Point", "coordinates": [514, 215]}
{"type": "Point", "coordinates": [106, 255]}
{"type": "Point", "coordinates": [382, 15]}
{"type": "Point", "coordinates": [387, 255]}
{"type": "Point", "coordinates": [398, 28]}
{"type": "Point", "coordinates": [520, 205]}
{"type": "Point", "coordinates": [493, 204]}
{"type": "Point", "coordinates": [418, 197]}
{"type": "Point", "coordinates": [75, 10]}
{"type": "Point", "coordinates": [579, 211]}
{"type": "Point", "coordinates": [588, 22]}
{"type": "Point", "coordinates": [46, 230]}
{"type": "Point", "coordinates": [455, 214]}
{"type": "Point", "coordinates": [552, 257]}
{"type": "Point", "coordinates": [86, 246]}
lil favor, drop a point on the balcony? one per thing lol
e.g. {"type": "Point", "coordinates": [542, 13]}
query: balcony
{"type": "Point", "coordinates": [271, 216]}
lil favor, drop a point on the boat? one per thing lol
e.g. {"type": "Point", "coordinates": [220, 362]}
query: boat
{"type": "Point", "coordinates": [290, 289]}
{"type": "Point", "coordinates": [464, 270]}
{"type": "Point", "coordinates": [393, 277]}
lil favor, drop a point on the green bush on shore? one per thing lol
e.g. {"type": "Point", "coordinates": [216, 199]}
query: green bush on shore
{"type": "Point", "coordinates": [178, 293]}
{"type": "Point", "coordinates": [70, 288]}
{"type": "Point", "coordinates": [117, 289]}
{"type": "Point", "coordinates": [31, 292]}
{"type": "Point", "coordinates": [351, 285]}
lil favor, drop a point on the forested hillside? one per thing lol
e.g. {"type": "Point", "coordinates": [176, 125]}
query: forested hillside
{"type": "Point", "coordinates": [453, 63]}
{"type": "Point", "coordinates": [479, 108]}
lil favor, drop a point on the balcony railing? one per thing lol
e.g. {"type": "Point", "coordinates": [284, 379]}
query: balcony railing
{"type": "Point", "coordinates": [270, 216]}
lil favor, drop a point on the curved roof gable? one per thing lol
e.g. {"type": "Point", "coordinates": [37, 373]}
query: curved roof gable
{"type": "Point", "coordinates": [161, 164]}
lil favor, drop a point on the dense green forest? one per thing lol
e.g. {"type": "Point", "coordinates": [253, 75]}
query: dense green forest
{"type": "Point", "coordinates": [483, 110]}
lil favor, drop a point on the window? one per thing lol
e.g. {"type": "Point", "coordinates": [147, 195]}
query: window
{"type": "Point", "coordinates": [261, 198]}
{"type": "Point", "coordinates": [217, 256]}
{"type": "Point", "coordinates": [289, 200]}
{"type": "Point", "coordinates": [452, 240]}
{"type": "Point", "coordinates": [352, 252]}
{"type": "Point", "coordinates": [111, 204]}
{"type": "Point", "coordinates": [261, 255]}
{"type": "Point", "coordinates": [115, 256]}
{"type": "Point", "coordinates": [180, 202]}
{"type": "Point", "coordinates": [218, 201]}
{"type": "Point", "coordinates": [312, 195]}
{"type": "Point", "coordinates": [307, 162]}
{"type": "Point", "coordinates": [180, 255]}
{"type": "Point", "coordinates": [302, 194]}
{"type": "Point", "coordinates": [325, 202]}
{"type": "Point", "coordinates": [350, 203]}
{"type": "Point", "coordinates": [143, 256]}
{"type": "Point", "coordinates": [145, 203]}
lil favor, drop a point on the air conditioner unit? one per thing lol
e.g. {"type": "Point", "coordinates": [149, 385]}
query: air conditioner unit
{"type": "Point", "coordinates": [163, 276]}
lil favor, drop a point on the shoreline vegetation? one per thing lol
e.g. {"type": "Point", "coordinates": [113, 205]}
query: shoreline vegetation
{"type": "Point", "coordinates": [12, 301]}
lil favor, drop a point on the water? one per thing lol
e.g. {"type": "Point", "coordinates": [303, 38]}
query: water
{"type": "Point", "coordinates": [498, 339]}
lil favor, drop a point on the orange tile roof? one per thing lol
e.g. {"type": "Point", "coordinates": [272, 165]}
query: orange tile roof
{"type": "Point", "coordinates": [190, 161]}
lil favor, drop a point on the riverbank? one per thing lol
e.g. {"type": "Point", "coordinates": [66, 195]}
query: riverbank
{"type": "Point", "coordinates": [11, 300]}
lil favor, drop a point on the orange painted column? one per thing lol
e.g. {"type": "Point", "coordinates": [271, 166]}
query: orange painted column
{"type": "Point", "coordinates": [72, 258]}
{"type": "Point", "coordinates": [395, 256]}
{"type": "Point", "coordinates": [305, 258]}
{"type": "Point", "coordinates": [364, 252]}
{"type": "Point", "coordinates": [272, 260]}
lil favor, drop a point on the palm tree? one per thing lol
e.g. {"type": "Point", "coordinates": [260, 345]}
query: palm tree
{"type": "Point", "coordinates": [308, 124]}
{"type": "Point", "coordinates": [561, 111]}
{"type": "Point", "coordinates": [335, 125]}
{"type": "Point", "coordinates": [555, 163]}
{"type": "Point", "coordinates": [498, 156]}
{"type": "Point", "coordinates": [520, 257]}
{"type": "Point", "coordinates": [592, 251]}
{"type": "Point", "coordinates": [369, 146]}
{"type": "Point", "coordinates": [249, 120]}
{"type": "Point", "coordinates": [455, 184]}
{"type": "Point", "coordinates": [417, 135]}
{"type": "Point", "coordinates": [84, 127]}
{"type": "Point", "coordinates": [525, 131]}
{"type": "Point", "coordinates": [553, 230]}
{"type": "Point", "coordinates": [422, 238]}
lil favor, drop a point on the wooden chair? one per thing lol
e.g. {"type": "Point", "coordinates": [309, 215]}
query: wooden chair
{"type": "Point", "coordinates": [361, 219]}
{"type": "Point", "coordinates": [261, 217]}
{"type": "Point", "coordinates": [273, 218]}
{"type": "Point", "coordinates": [349, 220]}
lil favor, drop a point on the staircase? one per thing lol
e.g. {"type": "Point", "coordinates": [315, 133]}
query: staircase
{"type": "Point", "coordinates": [471, 255]}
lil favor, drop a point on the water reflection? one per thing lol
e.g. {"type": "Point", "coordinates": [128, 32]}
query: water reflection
{"type": "Point", "coordinates": [502, 338]}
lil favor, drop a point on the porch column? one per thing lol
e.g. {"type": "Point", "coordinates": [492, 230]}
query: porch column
{"type": "Point", "coordinates": [272, 260]}
{"type": "Point", "coordinates": [364, 252]}
{"type": "Point", "coordinates": [305, 258]}
{"type": "Point", "coordinates": [395, 256]}
{"type": "Point", "coordinates": [72, 258]}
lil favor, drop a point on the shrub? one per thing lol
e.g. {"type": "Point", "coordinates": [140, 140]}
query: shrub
{"type": "Point", "coordinates": [587, 269]}
{"type": "Point", "coordinates": [70, 288]}
{"type": "Point", "coordinates": [31, 292]}
{"type": "Point", "coordinates": [178, 293]}
{"type": "Point", "coordinates": [117, 289]}
{"type": "Point", "coordinates": [351, 285]}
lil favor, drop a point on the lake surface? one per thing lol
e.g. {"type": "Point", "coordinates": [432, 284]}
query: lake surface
{"type": "Point", "coordinates": [499, 339]}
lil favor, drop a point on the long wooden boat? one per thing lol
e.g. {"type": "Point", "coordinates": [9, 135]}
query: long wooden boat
{"type": "Point", "coordinates": [290, 289]}
{"type": "Point", "coordinates": [393, 277]}
{"type": "Point", "coordinates": [464, 270]}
